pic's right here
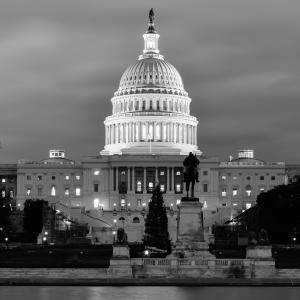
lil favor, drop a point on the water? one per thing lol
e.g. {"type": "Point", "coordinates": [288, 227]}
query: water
{"type": "Point", "coordinates": [148, 293]}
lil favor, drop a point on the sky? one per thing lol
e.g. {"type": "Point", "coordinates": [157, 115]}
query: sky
{"type": "Point", "coordinates": [61, 62]}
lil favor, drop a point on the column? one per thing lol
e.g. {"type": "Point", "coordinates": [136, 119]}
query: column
{"type": "Point", "coordinates": [172, 179]}
{"type": "Point", "coordinates": [117, 178]}
{"type": "Point", "coordinates": [145, 182]}
{"type": "Point", "coordinates": [168, 179]}
{"type": "Point", "coordinates": [128, 179]}
{"type": "Point", "coordinates": [117, 133]}
{"type": "Point", "coordinates": [133, 179]}
{"type": "Point", "coordinates": [156, 176]}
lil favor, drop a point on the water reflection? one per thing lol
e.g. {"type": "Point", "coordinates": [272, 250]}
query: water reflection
{"type": "Point", "coordinates": [149, 293]}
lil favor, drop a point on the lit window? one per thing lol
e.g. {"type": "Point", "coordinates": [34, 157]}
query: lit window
{"type": "Point", "coordinates": [262, 189]}
{"type": "Point", "coordinates": [248, 205]}
{"type": "Point", "coordinates": [224, 193]}
{"type": "Point", "coordinates": [205, 204]}
{"type": "Point", "coordinates": [96, 203]}
{"type": "Point", "coordinates": [67, 177]}
{"type": "Point", "coordinates": [67, 191]}
{"type": "Point", "coordinates": [53, 191]}
{"type": "Point", "coordinates": [162, 187]}
{"type": "Point", "coordinates": [248, 190]}
{"type": "Point", "coordinates": [150, 186]}
{"type": "Point", "coordinates": [96, 172]}
{"type": "Point", "coordinates": [3, 180]}
{"type": "Point", "coordinates": [178, 201]}
{"type": "Point", "coordinates": [96, 187]}
{"type": "Point", "coordinates": [223, 177]}
{"type": "Point", "coordinates": [161, 173]}
{"type": "Point", "coordinates": [3, 193]}
{"type": "Point", "coordinates": [11, 194]}
{"type": "Point", "coordinates": [139, 202]}
{"type": "Point", "coordinates": [234, 192]}
{"type": "Point", "coordinates": [139, 186]}
{"type": "Point", "coordinates": [28, 192]}
{"type": "Point", "coordinates": [205, 188]}
{"type": "Point", "coordinates": [234, 178]}
{"type": "Point", "coordinates": [123, 202]}
{"type": "Point", "coordinates": [39, 177]}
{"type": "Point", "coordinates": [77, 191]}
{"type": "Point", "coordinates": [178, 187]}
{"type": "Point", "coordinates": [28, 177]}
{"type": "Point", "coordinates": [77, 177]}
{"type": "Point", "coordinates": [123, 173]}
{"type": "Point", "coordinates": [40, 191]}
{"type": "Point", "coordinates": [178, 173]}
{"type": "Point", "coordinates": [234, 204]}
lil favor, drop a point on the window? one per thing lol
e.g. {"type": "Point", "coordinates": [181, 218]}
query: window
{"type": "Point", "coordinates": [178, 201]}
{"type": "Point", "coordinates": [96, 203]}
{"type": "Point", "coordinates": [39, 177]}
{"type": "Point", "coordinates": [248, 205]}
{"type": "Point", "coordinates": [262, 177]}
{"type": "Point", "coordinates": [162, 173]}
{"type": "Point", "coordinates": [40, 191]}
{"type": "Point", "coordinates": [136, 220]}
{"type": "Point", "coordinates": [248, 190]}
{"type": "Point", "coordinates": [205, 173]}
{"type": "Point", "coordinates": [139, 186]}
{"type": "Point", "coordinates": [162, 187]}
{"type": "Point", "coordinates": [96, 172]}
{"type": "Point", "coordinates": [150, 186]}
{"type": "Point", "coordinates": [205, 188]}
{"type": "Point", "coordinates": [67, 177]}
{"type": "Point", "coordinates": [234, 204]}
{"type": "Point", "coordinates": [123, 202]}
{"type": "Point", "coordinates": [28, 177]}
{"type": "Point", "coordinates": [53, 191]}
{"type": "Point", "coordinates": [3, 180]}
{"type": "Point", "coordinates": [77, 191]}
{"type": "Point", "coordinates": [223, 177]}
{"type": "Point", "coordinates": [272, 177]}
{"type": "Point", "coordinates": [67, 191]}
{"type": "Point", "coordinates": [234, 178]}
{"type": "Point", "coordinates": [178, 188]}
{"type": "Point", "coordinates": [234, 192]}
{"type": "Point", "coordinates": [3, 193]}
{"type": "Point", "coordinates": [11, 193]}
{"type": "Point", "coordinates": [139, 202]}
{"type": "Point", "coordinates": [224, 204]}
{"type": "Point", "coordinates": [178, 173]}
{"type": "Point", "coordinates": [261, 189]}
{"type": "Point", "coordinates": [53, 177]}
{"type": "Point", "coordinates": [28, 192]}
{"type": "Point", "coordinates": [77, 177]}
{"type": "Point", "coordinates": [96, 187]}
{"type": "Point", "coordinates": [224, 193]}
{"type": "Point", "coordinates": [121, 219]}
{"type": "Point", "coordinates": [248, 178]}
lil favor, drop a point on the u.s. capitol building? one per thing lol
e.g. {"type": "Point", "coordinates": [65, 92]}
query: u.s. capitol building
{"type": "Point", "coordinates": [147, 137]}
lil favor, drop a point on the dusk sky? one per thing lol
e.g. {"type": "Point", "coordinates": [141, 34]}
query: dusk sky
{"type": "Point", "coordinates": [61, 62]}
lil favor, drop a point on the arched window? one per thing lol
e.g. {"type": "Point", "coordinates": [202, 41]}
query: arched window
{"type": "Point", "coordinates": [122, 219]}
{"type": "Point", "coordinates": [53, 190]}
{"type": "Point", "coordinates": [136, 220]}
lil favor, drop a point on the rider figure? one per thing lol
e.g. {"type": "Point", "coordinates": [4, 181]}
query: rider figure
{"type": "Point", "coordinates": [191, 161]}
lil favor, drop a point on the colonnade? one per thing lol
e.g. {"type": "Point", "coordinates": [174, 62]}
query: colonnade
{"type": "Point", "coordinates": [131, 132]}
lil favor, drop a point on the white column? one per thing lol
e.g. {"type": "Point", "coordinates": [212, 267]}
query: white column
{"type": "Point", "coordinates": [168, 179]}
{"type": "Point", "coordinates": [145, 182]}
{"type": "Point", "coordinates": [172, 179]}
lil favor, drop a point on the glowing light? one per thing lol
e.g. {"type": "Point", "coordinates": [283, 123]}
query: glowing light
{"type": "Point", "coordinates": [178, 201]}
{"type": "Point", "coordinates": [96, 172]}
{"type": "Point", "coordinates": [146, 252]}
{"type": "Point", "coordinates": [46, 232]}
{"type": "Point", "coordinates": [113, 232]}
{"type": "Point", "coordinates": [115, 221]}
{"type": "Point", "coordinates": [96, 202]}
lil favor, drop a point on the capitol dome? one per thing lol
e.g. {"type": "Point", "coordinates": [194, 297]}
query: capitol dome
{"type": "Point", "coordinates": [150, 109]}
{"type": "Point", "coordinates": [151, 75]}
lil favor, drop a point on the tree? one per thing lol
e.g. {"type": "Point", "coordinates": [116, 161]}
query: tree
{"type": "Point", "coordinates": [156, 225]}
{"type": "Point", "coordinates": [5, 212]}
{"type": "Point", "coordinates": [33, 218]}
{"type": "Point", "coordinates": [277, 211]}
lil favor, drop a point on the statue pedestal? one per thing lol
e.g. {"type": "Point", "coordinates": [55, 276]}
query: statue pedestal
{"type": "Point", "coordinates": [190, 235]}
{"type": "Point", "coordinates": [259, 252]}
{"type": "Point", "coordinates": [119, 265]}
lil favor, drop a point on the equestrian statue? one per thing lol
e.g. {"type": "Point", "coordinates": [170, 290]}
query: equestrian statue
{"type": "Point", "coordinates": [191, 174]}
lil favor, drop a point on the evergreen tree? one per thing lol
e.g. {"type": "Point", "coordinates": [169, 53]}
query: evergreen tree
{"type": "Point", "coordinates": [156, 225]}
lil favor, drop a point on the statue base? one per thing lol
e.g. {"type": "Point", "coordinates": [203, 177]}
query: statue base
{"type": "Point", "coordinates": [119, 265]}
{"type": "Point", "coordinates": [259, 252]}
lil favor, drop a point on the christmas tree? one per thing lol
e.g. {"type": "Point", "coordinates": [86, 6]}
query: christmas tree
{"type": "Point", "coordinates": [156, 225]}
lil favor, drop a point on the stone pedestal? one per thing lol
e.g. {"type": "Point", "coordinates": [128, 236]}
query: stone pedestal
{"type": "Point", "coordinates": [119, 266]}
{"type": "Point", "coordinates": [259, 252]}
{"type": "Point", "coordinates": [190, 235]}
